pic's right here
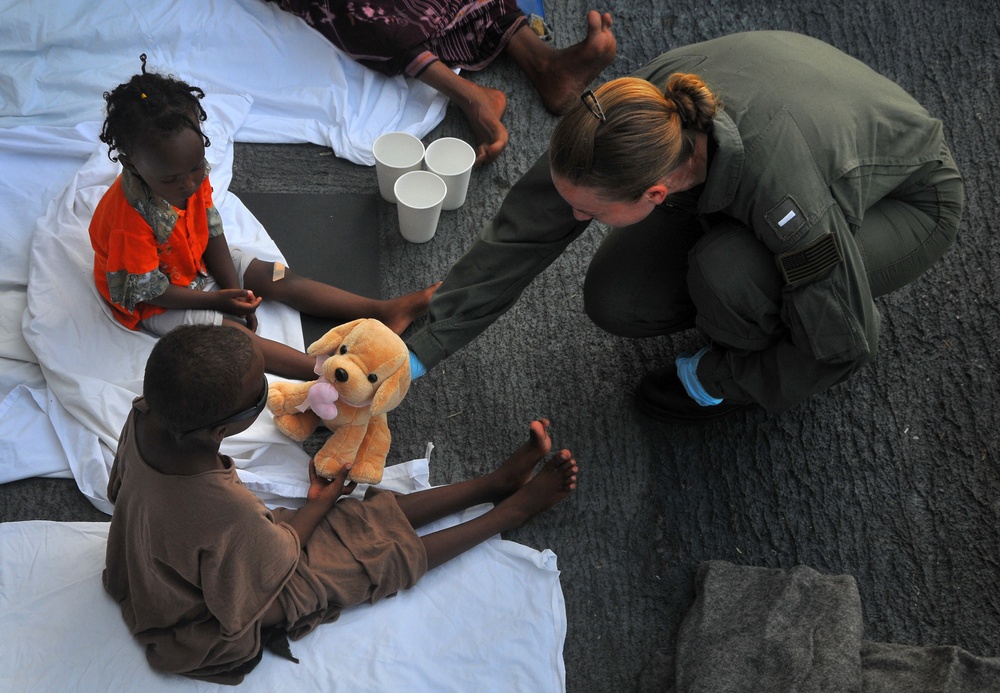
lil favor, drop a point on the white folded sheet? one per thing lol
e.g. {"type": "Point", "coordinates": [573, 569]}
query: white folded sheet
{"type": "Point", "coordinates": [56, 59]}
{"type": "Point", "coordinates": [492, 619]}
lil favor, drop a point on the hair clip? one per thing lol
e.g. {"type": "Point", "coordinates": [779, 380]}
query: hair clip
{"type": "Point", "coordinates": [593, 105]}
{"type": "Point", "coordinates": [680, 111]}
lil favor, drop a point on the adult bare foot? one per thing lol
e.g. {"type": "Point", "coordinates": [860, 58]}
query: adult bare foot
{"type": "Point", "coordinates": [516, 470]}
{"type": "Point", "coordinates": [551, 485]}
{"type": "Point", "coordinates": [483, 109]}
{"type": "Point", "coordinates": [397, 313]}
{"type": "Point", "coordinates": [560, 76]}
{"type": "Point", "coordinates": [574, 68]}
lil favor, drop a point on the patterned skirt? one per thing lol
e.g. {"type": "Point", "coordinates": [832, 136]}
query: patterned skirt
{"type": "Point", "coordinates": [406, 36]}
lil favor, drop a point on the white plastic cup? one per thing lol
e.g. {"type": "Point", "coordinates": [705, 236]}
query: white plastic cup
{"type": "Point", "coordinates": [451, 159]}
{"type": "Point", "coordinates": [395, 153]}
{"type": "Point", "coordinates": [419, 195]}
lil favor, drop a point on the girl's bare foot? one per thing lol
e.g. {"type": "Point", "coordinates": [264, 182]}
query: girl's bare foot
{"type": "Point", "coordinates": [516, 470]}
{"type": "Point", "coordinates": [398, 313]}
{"type": "Point", "coordinates": [551, 485]}
{"type": "Point", "coordinates": [560, 76]}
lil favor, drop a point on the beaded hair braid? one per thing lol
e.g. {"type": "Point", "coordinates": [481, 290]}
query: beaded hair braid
{"type": "Point", "coordinates": [150, 105]}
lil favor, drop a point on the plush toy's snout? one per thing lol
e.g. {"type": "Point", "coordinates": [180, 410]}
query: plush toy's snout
{"type": "Point", "coordinates": [341, 375]}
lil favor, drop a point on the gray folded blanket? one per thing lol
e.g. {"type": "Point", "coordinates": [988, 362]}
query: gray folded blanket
{"type": "Point", "coordinates": [774, 630]}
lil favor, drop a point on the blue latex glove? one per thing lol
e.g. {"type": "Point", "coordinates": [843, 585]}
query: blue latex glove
{"type": "Point", "coordinates": [417, 369]}
{"type": "Point", "coordinates": [687, 371]}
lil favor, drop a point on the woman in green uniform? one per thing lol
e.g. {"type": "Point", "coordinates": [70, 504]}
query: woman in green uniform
{"type": "Point", "coordinates": [763, 187]}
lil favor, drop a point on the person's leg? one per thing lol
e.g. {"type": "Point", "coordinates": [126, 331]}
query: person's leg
{"type": "Point", "coordinates": [552, 484]}
{"type": "Point", "coordinates": [483, 107]}
{"type": "Point", "coordinates": [560, 76]}
{"type": "Point", "coordinates": [903, 235]}
{"type": "Point", "coordinates": [341, 567]}
{"type": "Point", "coordinates": [636, 285]}
{"type": "Point", "coordinates": [518, 496]}
{"type": "Point", "coordinates": [280, 359]}
{"type": "Point", "coordinates": [326, 301]}
{"type": "Point", "coordinates": [423, 507]}
{"type": "Point", "coordinates": [735, 288]}
{"type": "Point", "coordinates": [758, 354]}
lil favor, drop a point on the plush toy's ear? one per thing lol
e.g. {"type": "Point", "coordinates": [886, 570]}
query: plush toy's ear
{"type": "Point", "coordinates": [330, 342]}
{"type": "Point", "coordinates": [393, 389]}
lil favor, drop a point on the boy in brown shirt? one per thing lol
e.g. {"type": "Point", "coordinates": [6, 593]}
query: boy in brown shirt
{"type": "Point", "coordinates": [205, 573]}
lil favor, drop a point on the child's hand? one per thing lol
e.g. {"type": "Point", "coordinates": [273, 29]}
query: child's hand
{"type": "Point", "coordinates": [238, 302]}
{"type": "Point", "coordinates": [241, 303]}
{"type": "Point", "coordinates": [329, 490]}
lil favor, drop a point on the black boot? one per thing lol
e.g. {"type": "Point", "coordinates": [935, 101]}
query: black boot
{"type": "Point", "coordinates": [662, 396]}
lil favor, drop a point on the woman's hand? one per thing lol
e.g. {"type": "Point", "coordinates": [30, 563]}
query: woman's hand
{"type": "Point", "coordinates": [329, 490]}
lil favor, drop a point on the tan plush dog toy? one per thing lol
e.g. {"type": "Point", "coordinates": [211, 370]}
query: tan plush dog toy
{"type": "Point", "coordinates": [364, 371]}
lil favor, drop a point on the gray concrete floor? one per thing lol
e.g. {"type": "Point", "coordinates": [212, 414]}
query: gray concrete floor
{"type": "Point", "coordinates": [891, 478]}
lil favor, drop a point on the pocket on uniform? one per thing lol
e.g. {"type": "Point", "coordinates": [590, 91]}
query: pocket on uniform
{"type": "Point", "coordinates": [820, 323]}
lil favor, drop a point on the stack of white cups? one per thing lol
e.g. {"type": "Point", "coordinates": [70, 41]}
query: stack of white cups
{"type": "Point", "coordinates": [418, 194]}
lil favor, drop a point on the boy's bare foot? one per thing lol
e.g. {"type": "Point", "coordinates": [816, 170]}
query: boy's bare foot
{"type": "Point", "coordinates": [397, 313]}
{"type": "Point", "coordinates": [551, 485]}
{"type": "Point", "coordinates": [484, 108]}
{"type": "Point", "coordinates": [516, 470]}
{"type": "Point", "coordinates": [560, 76]}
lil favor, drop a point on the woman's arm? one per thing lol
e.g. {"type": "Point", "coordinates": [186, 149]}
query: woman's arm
{"type": "Point", "coordinates": [532, 228]}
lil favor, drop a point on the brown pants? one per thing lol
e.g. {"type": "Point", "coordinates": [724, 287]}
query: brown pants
{"type": "Point", "coordinates": [362, 551]}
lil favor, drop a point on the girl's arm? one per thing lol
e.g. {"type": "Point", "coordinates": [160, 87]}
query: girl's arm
{"type": "Point", "coordinates": [229, 301]}
{"type": "Point", "coordinates": [219, 262]}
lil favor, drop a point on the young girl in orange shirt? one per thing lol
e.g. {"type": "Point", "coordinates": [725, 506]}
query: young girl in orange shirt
{"type": "Point", "coordinates": [161, 258]}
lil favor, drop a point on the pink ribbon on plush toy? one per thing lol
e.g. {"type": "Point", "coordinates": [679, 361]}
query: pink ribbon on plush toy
{"type": "Point", "coordinates": [322, 394]}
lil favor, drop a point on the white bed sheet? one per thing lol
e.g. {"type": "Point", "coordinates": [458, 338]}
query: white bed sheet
{"type": "Point", "coordinates": [56, 59]}
{"type": "Point", "coordinates": [273, 77]}
{"type": "Point", "coordinates": [493, 619]}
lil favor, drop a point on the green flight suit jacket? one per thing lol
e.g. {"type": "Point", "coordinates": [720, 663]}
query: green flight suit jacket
{"type": "Point", "coordinates": [808, 139]}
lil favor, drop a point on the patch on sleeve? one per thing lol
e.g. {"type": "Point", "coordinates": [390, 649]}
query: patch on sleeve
{"type": "Point", "coordinates": [812, 261]}
{"type": "Point", "coordinates": [785, 218]}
